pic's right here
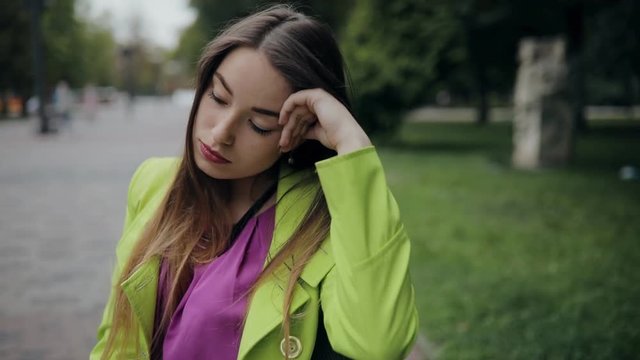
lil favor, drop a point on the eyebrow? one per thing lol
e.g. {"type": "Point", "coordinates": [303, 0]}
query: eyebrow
{"type": "Point", "coordinates": [255, 109]}
{"type": "Point", "coordinates": [224, 82]}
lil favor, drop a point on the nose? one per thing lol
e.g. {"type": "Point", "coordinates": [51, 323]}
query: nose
{"type": "Point", "coordinates": [224, 130]}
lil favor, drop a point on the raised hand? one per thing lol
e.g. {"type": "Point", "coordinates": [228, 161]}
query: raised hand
{"type": "Point", "coordinates": [316, 114]}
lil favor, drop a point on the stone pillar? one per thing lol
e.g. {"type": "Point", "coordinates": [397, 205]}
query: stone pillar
{"type": "Point", "coordinates": [543, 128]}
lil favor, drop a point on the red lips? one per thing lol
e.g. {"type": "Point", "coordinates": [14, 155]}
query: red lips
{"type": "Point", "coordinates": [212, 155]}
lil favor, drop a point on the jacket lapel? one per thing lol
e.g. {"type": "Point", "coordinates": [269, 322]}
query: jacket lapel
{"type": "Point", "coordinates": [265, 309]}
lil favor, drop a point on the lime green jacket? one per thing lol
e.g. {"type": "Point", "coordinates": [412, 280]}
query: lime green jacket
{"type": "Point", "coordinates": [359, 277]}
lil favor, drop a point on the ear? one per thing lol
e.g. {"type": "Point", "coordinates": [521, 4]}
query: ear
{"type": "Point", "coordinates": [298, 154]}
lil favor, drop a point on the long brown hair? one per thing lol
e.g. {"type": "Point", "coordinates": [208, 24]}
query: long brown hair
{"type": "Point", "coordinates": [306, 54]}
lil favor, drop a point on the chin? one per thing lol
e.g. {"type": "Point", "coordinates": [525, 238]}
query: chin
{"type": "Point", "coordinates": [208, 169]}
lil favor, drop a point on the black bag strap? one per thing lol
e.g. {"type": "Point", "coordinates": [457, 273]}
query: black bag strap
{"type": "Point", "coordinates": [323, 350]}
{"type": "Point", "coordinates": [237, 227]}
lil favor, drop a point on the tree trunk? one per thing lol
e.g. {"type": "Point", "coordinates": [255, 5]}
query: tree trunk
{"type": "Point", "coordinates": [482, 106]}
{"type": "Point", "coordinates": [478, 70]}
{"type": "Point", "coordinates": [3, 101]}
{"type": "Point", "coordinates": [577, 88]}
{"type": "Point", "coordinates": [629, 95]}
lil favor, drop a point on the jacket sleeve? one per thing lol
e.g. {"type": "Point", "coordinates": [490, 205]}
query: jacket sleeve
{"type": "Point", "coordinates": [367, 298]}
{"type": "Point", "coordinates": [105, 325]}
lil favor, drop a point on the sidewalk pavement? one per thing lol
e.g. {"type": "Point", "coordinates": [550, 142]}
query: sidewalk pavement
{"type": "Point", "coordinates": [62, 203]}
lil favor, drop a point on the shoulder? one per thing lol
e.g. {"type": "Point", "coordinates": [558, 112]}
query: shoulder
{"type": "Point", "coordinates": [152, 176]}
{"type": "Point", "coordinates": [155, 167]}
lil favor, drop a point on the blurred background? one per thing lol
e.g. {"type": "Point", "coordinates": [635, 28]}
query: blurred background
{"type": "Point", "coordinates": [509, 131]}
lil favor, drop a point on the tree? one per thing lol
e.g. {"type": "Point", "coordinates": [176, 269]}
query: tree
{"type": "Point", "coordinates": [76, 50]}
{"type": "Point", "coordinates": [64, 43]}
{"type": "Point", "coordinates": [100, 52]}
{"type": "Point", "coordinates": [400, 54]}
{"type": "Point", "coordinates": [612, 51]}
{"type": "Point", "coordinates": [15, 52]}
{"type": "Point", "coordinates": [490, 41]}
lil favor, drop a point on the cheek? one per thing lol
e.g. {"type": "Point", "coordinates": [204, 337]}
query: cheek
{"type": "Point", "coordinates": [204, 115]}
{"type": "Point", "coordinates": [200, 121]}
{"type": "Point", "coordinates": [203, 123]}
{"type": "Point", "coordinates": [197, 123]}
{"type": "Point", "coordinates": [267, 148]}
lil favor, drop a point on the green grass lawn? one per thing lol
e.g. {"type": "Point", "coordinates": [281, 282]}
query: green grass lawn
{"type": "Point", "coordinates": [511, 264]}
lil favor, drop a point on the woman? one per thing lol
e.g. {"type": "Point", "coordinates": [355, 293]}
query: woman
{"type": "Point", "coordinates": [279, 205]}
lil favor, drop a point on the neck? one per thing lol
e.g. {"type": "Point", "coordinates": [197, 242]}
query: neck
{"type": "Point", "coordinates": [244, 192]}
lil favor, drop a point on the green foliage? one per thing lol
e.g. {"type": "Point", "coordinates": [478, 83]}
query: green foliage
{"type": "Point", "coordinates": [215, 14]}
{"type": "Point", "coordinates": [63, 39]}
{"type": "Point", "coordinates": [520, 265]}
{"type": "Point", "coordinates": [100, 53]}
{"type": "Point", "coordinates": [192, 41]}
{"type": "Point", "coordinates": [15, 51]}
{"type": "Point", "coordinates": [75, 50]}
{"type": "Point", "coordinates": [396, 52]}
{"type": "Point", "coordinates": [212, 17]}
{"type": "Point", "coordinates": [401, 53]}
{"type": "Point", "coordinates": [613, 52]}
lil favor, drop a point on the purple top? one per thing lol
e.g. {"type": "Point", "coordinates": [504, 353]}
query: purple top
{"type": "Point", "coordinates": [209, 317]}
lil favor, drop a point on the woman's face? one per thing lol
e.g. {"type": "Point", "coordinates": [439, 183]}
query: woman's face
{"type": "Point", "coordinates": [236, 131]}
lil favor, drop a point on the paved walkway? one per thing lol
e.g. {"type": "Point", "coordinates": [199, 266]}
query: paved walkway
{"type": "Point", "coordinates": [62, 202]}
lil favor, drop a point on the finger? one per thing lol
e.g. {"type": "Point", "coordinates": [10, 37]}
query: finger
{"type": "Point", "coordinates": [290, 126]}
{"type": "Point", "coordinates": [285, 135]}
{"type": "Point", "coordinates": [300, 135]}
{"type": "Point", "coordinates": [314, 131]}
{"type": "Point", "coordinates": [303, 98]}
{"type": "Point", "coordinates": [305, 119]}
{"type": "Point", "coordinates": [296, 119]}
{"type": "Point", "coordinates": [295, 143]}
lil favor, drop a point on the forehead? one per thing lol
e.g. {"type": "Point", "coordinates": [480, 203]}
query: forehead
{"type": "Point", "coordinates": [252, 78]}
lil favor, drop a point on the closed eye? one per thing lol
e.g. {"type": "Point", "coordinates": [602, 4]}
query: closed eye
{"type": "Point", "coordinates": [213, 96]}
{"type": "Point", "coordinates": [258, 129]}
